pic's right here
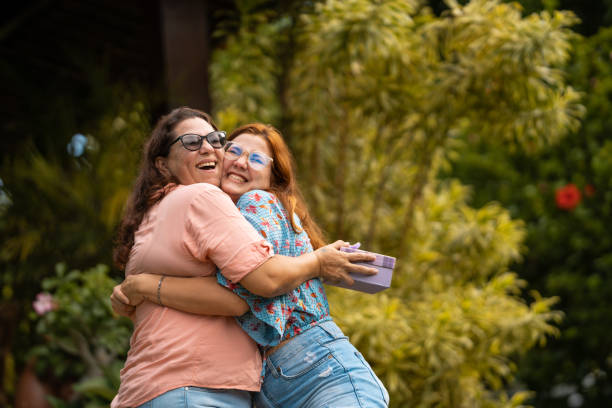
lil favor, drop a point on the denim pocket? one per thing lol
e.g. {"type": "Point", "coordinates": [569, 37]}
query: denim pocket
{"type": "Point", "coordinates": [299, 365]}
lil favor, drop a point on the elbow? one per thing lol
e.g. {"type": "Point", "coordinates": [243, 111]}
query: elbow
{"type": "Point", "coordinates": [269, 288]}
{"type": "Point", "coordinates": [267, 281]}
{"type": "Point", "coordinates": [241, 309]}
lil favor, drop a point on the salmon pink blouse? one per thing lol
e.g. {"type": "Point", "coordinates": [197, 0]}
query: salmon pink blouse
{"type": "Point", "coordinates": [190, 232]}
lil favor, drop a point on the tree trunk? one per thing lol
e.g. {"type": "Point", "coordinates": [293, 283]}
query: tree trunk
{"type": "Point", "coordinates": [186, 47]}
{"type": "Point", "coordinates": [31, 392]}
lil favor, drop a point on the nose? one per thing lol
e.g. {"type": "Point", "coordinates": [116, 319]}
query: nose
{"type": "Point", "coordinates": [241, 161]}
{"type": "Point", "coordinates": [206, 147]}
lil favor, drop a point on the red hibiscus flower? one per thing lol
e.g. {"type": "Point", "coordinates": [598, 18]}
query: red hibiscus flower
{"type": "Point", "coordinates": [568, 197]}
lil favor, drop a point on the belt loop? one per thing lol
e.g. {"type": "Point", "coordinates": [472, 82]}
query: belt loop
{"type": "Point", "coordinates": [332, 329]}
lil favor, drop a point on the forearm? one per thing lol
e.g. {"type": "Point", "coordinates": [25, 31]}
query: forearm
{"type": "Point", "coordinates": [198, 295]}
{"type": "Point", "coordinates": [281, 274]}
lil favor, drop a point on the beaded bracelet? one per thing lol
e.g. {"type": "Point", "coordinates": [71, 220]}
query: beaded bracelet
{"type": "Point", "coordinates": [159, 290]}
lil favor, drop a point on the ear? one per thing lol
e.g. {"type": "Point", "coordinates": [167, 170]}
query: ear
{"type": "Point", "coordinates": [161, 163]}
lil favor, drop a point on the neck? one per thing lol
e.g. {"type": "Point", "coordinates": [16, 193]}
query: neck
{"type": "Point", "coordinates": [234, 197]}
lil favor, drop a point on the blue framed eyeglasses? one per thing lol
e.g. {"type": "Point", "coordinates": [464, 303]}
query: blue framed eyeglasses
{"type": "Point", "coordinates": [257, 160]}
{"type": "Point", "coordinates": [194, 142]}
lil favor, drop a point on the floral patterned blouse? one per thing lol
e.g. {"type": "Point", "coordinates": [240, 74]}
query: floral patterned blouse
{"type": "Point", "coordinates": [272, 320]}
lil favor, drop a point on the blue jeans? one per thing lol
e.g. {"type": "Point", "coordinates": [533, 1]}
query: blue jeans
{"type": "Point", "coordinates": [317, 369]}
{"type": "Point", "coordinates": [198, 397]}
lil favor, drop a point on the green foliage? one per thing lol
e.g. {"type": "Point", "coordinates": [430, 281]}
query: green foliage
{"type": "Point", "coordinates": [57, 205]}
{"type": "Point", "coordinates": [570, 251]}
{"type": "Point", "coordinates": [81, 339]}
{"type": "Point", "coordinates": [86, 190]}
{"type": "Point", "coordinates": [444, 334]}
{"type": "Point", "coordinates": [242, 85]}
{"type": "Point", "coordinates": [380, 95]}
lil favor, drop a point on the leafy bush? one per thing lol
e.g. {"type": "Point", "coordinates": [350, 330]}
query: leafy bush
{"type": "Point", "coordinates": [564, 194]}
{"type": "Point", "coordinates": [81, 341]}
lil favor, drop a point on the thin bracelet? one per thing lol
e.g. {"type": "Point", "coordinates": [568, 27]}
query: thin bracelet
{"type": "Point", "coordinates": [159, 290]}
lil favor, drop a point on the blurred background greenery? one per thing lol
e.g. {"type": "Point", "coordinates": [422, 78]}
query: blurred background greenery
{"type": "Point", "coordinates": [470, 139]}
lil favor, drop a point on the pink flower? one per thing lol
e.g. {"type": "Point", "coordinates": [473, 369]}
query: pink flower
{"type": "Point", "coordinates": [44, 303]}
{"type": "Point", "coordinates": [568, 197]}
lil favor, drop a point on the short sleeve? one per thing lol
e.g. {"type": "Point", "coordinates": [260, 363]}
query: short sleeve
{"type": "Point", "coordinates": [216, 231]}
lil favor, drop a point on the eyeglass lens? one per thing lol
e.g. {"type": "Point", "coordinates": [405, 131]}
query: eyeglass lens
{"type": "Point", "coordinates": [256, 159]}
{"type": "Point", "coordinates": [194, 142]}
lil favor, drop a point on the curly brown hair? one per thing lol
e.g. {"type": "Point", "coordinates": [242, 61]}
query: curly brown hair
{"type": "Point", "coordinates": [284, 184]}
{"type": "Point", "coordinates": [151, 185]}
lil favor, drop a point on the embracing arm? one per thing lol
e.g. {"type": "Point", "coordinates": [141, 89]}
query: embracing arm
{"type": "Point", "coordinates": [198, 295]}
{"type": "Point", "coordinates": [203, 295]}
{"type": "Point", "coordinates": [280, 274]}
{"type": "Point", "coordinates": [217, 232]}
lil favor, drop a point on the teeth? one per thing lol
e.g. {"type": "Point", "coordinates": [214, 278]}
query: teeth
{"type": "Point", "coordinates": [206, 164]}
{"type": "Point", "coordinates": [236, 178]}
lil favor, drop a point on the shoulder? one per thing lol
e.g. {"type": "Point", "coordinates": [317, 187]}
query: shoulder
{"type": "Point", "coordinates": [202, 188]}
{"type": "Point", "coordinates": [202, 192]}
{"type": "Point", "coordinates": [258, 198]}
{"type": "Point", "coordinates": [201, 198]}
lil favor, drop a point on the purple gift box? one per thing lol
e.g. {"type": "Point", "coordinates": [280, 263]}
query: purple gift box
{"type": "Point", "coordinates": [370, 283]}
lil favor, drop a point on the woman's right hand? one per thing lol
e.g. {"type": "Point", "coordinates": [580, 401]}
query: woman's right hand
{"type": "Point", "coordinates": [121, 303]}
{"type": "Point", "coordinates": [336, 265]}
{"type": "Point", "coordinates": [130, 293]}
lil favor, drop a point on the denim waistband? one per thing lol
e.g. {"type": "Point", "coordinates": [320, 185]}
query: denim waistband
{"type": "Point", "coordinates": [321, 333]}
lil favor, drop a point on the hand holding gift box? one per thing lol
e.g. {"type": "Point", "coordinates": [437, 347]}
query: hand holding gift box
{"type": "Point", "coordinates": [373, 283]}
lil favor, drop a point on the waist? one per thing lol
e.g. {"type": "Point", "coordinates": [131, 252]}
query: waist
{"type": "Point", "coordinates": [273, 349]}
{"type": "Point", "coordinates": [169, 349]}
{"type": "Point", "coordinates": [166, 334]}
{"type": "Point", "coordinates": [325, 328]}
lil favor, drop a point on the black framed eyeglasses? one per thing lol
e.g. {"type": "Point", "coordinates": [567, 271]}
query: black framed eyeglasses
{"type": "Point", "coordinates": [194, 142]}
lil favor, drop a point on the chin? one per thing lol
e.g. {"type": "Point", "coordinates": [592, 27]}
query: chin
{"type": "Point", "coordinates": [233, 192]}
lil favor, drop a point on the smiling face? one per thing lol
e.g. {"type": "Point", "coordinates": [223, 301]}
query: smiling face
{"type": "Point", "coordinates": [238, 176]}
{"type": "Point", "coordinates": [189, 167]}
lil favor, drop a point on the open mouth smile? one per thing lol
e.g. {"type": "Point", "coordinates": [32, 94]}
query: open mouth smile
{"type": "Point", "coordinates": [236, 178]}
{"type": "Point", "coordinates": [209, 165]}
